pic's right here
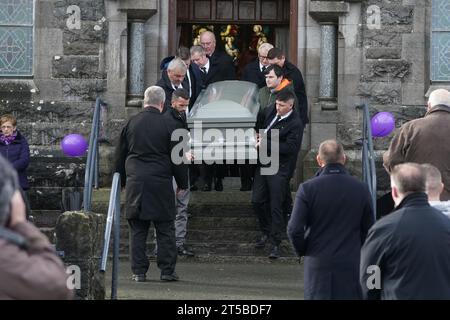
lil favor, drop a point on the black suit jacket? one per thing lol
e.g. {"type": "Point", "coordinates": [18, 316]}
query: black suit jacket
{"type": "Point", "coordinates": [165, 83]}
{"type": "Point", "coordinates": [253, 73]}
{"type": "Point", "coordinates": [144, 157]}
{"type": "Point", "coordinates": [221, 68]}
{"type": "Point", "coordinates": [291, 72]}
{"type": "Point", "coordinates": [290, 139]}
{"type": "Point", "coordinates": [411, 247]}
{"type": "Point", "coordinates": [331, 217]}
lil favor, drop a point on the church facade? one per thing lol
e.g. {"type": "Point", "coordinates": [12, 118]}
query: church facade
{"type": "Point", "coordinates": [57, 56]}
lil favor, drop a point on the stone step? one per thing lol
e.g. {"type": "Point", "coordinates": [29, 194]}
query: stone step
{"type": "Point", "coordinates": [224, 248]}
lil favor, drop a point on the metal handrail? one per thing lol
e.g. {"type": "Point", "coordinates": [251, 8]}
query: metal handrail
{"type": "Point", "coordinates": [368, 156]}
{"type": "Point", "coordinates": [92, 163]}
{"type": "Point", "coordinates": [113, 220]}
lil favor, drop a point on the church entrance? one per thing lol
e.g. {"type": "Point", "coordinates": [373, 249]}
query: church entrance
{"type": "Point", "coordinates": [240, 26]}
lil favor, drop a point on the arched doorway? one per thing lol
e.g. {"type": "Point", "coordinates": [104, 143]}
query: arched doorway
{"type": "Point", "coordinates": [238, 25]}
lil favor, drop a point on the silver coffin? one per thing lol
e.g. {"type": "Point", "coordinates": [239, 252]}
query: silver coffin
{"type": "Point", "coordinates": [222, 121]}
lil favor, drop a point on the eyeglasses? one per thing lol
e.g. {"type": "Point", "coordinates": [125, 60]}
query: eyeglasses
{"type": "Point", "coordinates": [263, 57]}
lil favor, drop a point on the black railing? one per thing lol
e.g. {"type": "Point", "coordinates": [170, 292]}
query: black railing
{"type": "Point", "coordinates": [368, 156]}
{"type": "Point", "coordinates": [113, 221]}
{"type": "Point", "coordinates": [92, 164]}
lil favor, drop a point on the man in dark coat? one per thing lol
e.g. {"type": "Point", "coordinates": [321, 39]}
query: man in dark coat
{"type": "Point", "coordinates": [291, 72]}
{"type": "Point", "coordinates": [269, 188]}
{"type": "Point", "coordinates": [254, 71]}
{"type": "Point", "coordinates": [406, 255]}
{"type": "Point", "coordinates": [221, 65]}
{"type": "Point", "coordinates": [331, 216]}
{"type": "Point", "coordinates": [144, 158]}
{"type": "Point", "coordinates": [176, 120]}
{"type": "Point", "coordinates": [172, 79]}
{"type": "Point", "coordinates": [193, 80]}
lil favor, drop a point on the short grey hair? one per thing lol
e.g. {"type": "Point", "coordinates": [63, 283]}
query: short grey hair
{"type": "Point", "coordinates": [154, 96]}
{"type": "Point", "coordinates": [177, 64]}
{"type": "Point", "coordinates": [197, 49]}
{"type": "Point", "coordinates": [265, 47]}
{"type": "Point", "coordinates": [9, 184]}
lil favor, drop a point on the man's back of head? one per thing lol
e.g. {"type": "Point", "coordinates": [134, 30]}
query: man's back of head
{"type": "Point", "coordinates": [8, 186]}
{"type": "Point", "coordinates": [407, 178]}
{"type": "Point", "coordinates": [154, 96]}
{"type": "Point", "coordinates": [330, 151]}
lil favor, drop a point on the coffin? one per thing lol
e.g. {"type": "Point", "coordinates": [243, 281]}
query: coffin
{"type": "Point", "coordinates": [222, 121]}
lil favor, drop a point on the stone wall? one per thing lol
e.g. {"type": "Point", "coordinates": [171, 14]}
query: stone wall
{"type": "Point", "coordinates": [69, 73]}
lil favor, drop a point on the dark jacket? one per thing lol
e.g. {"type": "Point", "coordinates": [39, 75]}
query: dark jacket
{"type": "Point", "coordinates": [290, 139]}
{"type": "Point", "coordinates": [424, 140]}
{"type": "Point", "coordinates": [18, 153]}
{"type": "Point", "coordinates": [195, 75]}
{"type": "Point", "coordinates": [291, 72]}
{"type": "Point", "coordinates": [253, 73]}
{"type": "Point", "coordinates": [144, 157]}
{"type": "Point", "coordinates": [165, 83]}
{"type": "Point", "coordinates": [33, 272]}
{"type": "Point", "coordinates": [411, 247]}
{"type": "Point", "coordinates": [221, 68]}
{"type": "Point", "coordinates": [331, 217]}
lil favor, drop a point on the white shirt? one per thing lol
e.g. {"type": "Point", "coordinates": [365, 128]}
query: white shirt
{"type": "Point", "coordinates": [206, 66]}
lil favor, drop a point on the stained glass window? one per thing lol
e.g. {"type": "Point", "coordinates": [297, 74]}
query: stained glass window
{"type": "Point", "coordinates": [440, 41]}
{"type": "Point", "coordinates": [16, 37]}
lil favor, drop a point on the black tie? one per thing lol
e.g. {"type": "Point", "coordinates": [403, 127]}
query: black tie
{"type": "Point", "coordinates": [263, 69]}
{"type": "Point", "coordinates": [203, 70]}
{"type": "Point", "coordinates": [273, 123]}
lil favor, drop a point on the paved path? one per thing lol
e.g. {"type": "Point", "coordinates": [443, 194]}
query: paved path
{"type": "Point", "coordinates": [216, 280]}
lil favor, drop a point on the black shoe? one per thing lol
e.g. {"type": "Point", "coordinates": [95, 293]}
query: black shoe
{"type": "Point", "coordinates": [169, 277]}
{"type": "Point", "coordinates": [261, 243]}
{"type": "Point", "coordinates": [138, 277]}
{"type": "Point", "coordinates": [218, 186]}
{"type": "Point", "coordinates": [206, 187]}
{"type": "Point", "coordinates": [184, 251]}
{"type": "Point", "coordinates": [275, 253]}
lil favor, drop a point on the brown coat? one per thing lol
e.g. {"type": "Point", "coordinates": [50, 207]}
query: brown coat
{"type": "Point", "coordinates": [424, 140]}
{"type": "Point", "coordinates": [34, 273]}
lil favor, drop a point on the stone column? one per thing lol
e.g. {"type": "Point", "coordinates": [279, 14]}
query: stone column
{"type": "Point", "coordinates": [136, 60]}
{"type": "Point", "coordinates": [327, 87]}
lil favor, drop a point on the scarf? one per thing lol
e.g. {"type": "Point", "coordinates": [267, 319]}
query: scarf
{"type": "Point", "coordinates": [7, 140]}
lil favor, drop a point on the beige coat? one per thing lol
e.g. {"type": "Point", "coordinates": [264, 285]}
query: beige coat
{"type": "Point", "coordinates": [424, 140]}
{"type": "Point", "coordinates": [34, 273]}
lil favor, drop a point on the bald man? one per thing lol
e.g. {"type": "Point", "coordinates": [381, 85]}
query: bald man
{"type": "Point", "coordinates": [254, 71]}
{"type": "Point", "coordinates": [221, 65]}
{"type": "Point", "coordinates": [425, 140]}
{"type": "Point", "coordinates": [406, 255]}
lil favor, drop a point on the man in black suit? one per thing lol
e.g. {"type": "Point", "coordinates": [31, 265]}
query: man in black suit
{"type": "Point", "coordinates": [212, 71]}
{"type": "Point", "coordinates": [406, 255]}
{"type": "Point", "coordinates": [143, 158]}
{"type": "Point", "coordinates": [192, 82]}
{"type": "Point", "coordinates": [254, 71]}
{"type": "Point", "coordinates": [331, 217]}
{"type": "Point", "coordinates": [291, 72]}
{"type": "Point", "coordinates": [269, 190]}
{"type": "Point", "coordinates": [221, 64]}
{"type": "Point", "coordinates": [172, 79]}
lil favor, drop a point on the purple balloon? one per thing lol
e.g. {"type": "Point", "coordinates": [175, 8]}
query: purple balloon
{"type": "Point", "coordinates": [382, 124]}
{"type": "Point", "coordinates": [74, 145]}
